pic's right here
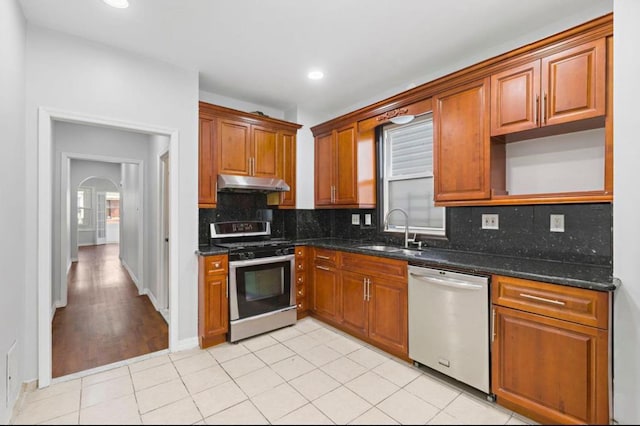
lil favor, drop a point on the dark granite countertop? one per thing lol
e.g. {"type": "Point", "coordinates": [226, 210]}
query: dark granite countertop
{"type": "Point", "coordinates": [594, 277]}
{"type": "Point", "coordinates": [209, 250]}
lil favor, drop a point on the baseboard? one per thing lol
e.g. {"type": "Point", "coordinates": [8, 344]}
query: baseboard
{"type": "Point", "coordinates": [25, 388]}
{"type": "Point", "coordinates": [186, 344]}
{"type": "Point", "coordinates": [57, 304]}
{"type": "Point", "coordinates": [133, 276]}
{"type": "Point", "coordinates": [74, 259]}
{"type": "Point", "coordinates": [151, 297]}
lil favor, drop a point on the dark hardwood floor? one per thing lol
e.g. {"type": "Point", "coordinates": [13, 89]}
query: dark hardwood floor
{"type": "Point", "coordinates": [105, 319]}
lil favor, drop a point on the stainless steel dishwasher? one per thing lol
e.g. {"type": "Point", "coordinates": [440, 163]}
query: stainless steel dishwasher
{"type": "Point", "coordinates": [449, 324]}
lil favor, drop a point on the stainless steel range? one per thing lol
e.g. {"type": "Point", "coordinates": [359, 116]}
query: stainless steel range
{"type": "Point", "coordinates": [261, 278]}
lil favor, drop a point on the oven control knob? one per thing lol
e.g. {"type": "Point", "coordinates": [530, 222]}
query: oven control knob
{"type": "Point", "coordinates": [242, 255]}
{"type": "Point", "coordinates": [279, 252]}
{"type": "Point", "coordinates": [251, 255]}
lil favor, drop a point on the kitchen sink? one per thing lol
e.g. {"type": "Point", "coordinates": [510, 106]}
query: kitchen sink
{"type": "Point", "coordinates": [378, 247]}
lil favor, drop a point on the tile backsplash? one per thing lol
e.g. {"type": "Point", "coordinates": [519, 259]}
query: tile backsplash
{"type": "Point", "coordinates": [524, 231]}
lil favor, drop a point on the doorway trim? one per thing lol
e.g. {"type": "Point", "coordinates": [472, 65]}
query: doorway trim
{"type": "Point", "coordinates": [46, 117]}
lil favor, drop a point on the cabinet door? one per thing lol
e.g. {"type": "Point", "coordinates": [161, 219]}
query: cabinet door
{"type": "Point", "coordinates": [287, 143]}
{"type": "Point", "coordinates": [550, 370]}
{"type": "Point", "coordinates": [326, 292]}
{"type": "Point", "coordinates": [461, 143]}
{"type": "Point", "coordinates": [264, 152]}
{"type": "Point", "coordinates": [388, 317]}
{"type": "Point", "coordinates": [573, 83]}
{"type": "Point", "coordinates": [346, 173]}
{"type": "Point", "coordinates": [207, 170]}
{"type": "Point", "coordinates": [515, 99]}
{"type": "Point", "coordinates": [216, 306]}
{"type": "Point", "coordinates": [324, 164]}
{"type": "Point", "coordinates": [234, 147]}
{"type": "Point", "coordinates": [354, 302]}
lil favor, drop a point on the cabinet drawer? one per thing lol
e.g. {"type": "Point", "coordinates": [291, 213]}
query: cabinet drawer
{"type": "Point", "coordinates": [373, 265]}
{"type": "Point", "coordinates": [215, 265]}
{"type": "Point", "coordinates": [325, 256]}
{"type": "Point", "coordinates": [582, 306]}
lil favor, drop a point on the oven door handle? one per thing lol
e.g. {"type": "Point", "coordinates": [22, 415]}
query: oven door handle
{"type": "Point", "coordinates": [261, 261]}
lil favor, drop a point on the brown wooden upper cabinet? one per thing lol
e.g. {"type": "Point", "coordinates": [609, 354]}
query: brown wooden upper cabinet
{"type": "Point", "coordinates": [567, 86]}
{"type": "Point", "coordinates": [240, 143]}
{"type": "Point", "coordinates": [247, 149]}
{"type": "Point", "coordinates": [345, 168]}
{"type": "Point", "coordinates": [461, 143]}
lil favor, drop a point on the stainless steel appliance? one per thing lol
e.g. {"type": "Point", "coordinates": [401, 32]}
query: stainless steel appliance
{"type": "Point", "coordinates": [449, 324]}
{"type": "Point", "coordinates": [261, 278]}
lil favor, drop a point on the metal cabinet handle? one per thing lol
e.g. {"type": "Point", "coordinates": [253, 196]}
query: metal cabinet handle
{"type": "Point", "coordinates": [545, 108]}
{"type": "Point", "coordinates": [324, 268]}
{"type": "Point", "coordinates": [226, 284]}
{"type": "Point", "coordinates": [493, 324]}
{"type": "Point", "coordinates": [322, 257]}
{"type": "Point", "coordinates": [368, 289]}
{"type": "Point", "coordinates": [535, 112]}
{"type": "Point", "coordinates": [543, 299]}
{"type": "Point", "coordinates": [364, 289]}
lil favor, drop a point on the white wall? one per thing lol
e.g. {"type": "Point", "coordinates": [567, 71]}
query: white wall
{"type": "Point", "coordinates": [13, 190]}
{"type": "Point", "coordinates": [626, 206]}
{"type": "Point", "coordinates": [131, 201]}
{"type": "Point", "coordinates": [216, 99]}
{"type": "Point", "coordinates": [562, 163]}
{"type": "Point", "coordinates": [69, 74]}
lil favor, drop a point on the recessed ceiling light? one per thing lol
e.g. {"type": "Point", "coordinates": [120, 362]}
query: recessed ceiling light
{"type": "Point", "coordinates": [120, 4]}
{"type": "Point", "coordinates": [315, 75]}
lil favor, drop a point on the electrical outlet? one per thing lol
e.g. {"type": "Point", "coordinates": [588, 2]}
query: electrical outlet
{"type": "Point", "coordinates": [355, 219]}
{"type": "Point", "coordinates": [490, 221]}
{"type": "Point", "coordinates": [556, 223]}
{"type": "Point", "coordinates": [367, 219]}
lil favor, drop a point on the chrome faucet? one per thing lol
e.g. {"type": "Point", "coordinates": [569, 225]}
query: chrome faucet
{"type": "Point", "coordinates": [406, 224]}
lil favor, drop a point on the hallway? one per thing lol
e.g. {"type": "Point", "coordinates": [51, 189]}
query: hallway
{"type": "Point", "coordinates": [105, 319]}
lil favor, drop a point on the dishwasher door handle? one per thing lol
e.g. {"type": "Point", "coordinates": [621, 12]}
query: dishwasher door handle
{"type": "Point", "coordinates": [448, 282]}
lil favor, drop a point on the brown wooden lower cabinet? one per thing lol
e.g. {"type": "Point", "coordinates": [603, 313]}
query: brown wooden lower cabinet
{"type": "Point", "coordinates": [544, 366]}
{"type": "Point", "coordinates": [213, 300]}
{"type": "Point", "coordinates": [301, 281]}
{"type": "Point", "coordinates": [365, 296]}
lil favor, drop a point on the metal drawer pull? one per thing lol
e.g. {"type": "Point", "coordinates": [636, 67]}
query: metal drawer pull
{"type": "Point", "coordinates": [324, 268]}
{"type": "Point", "coordinates": [323, 257]}
{"type": "Point", "coordinates": [364, 289]}
{"type": "Point", "coordinates": [542, 299]}
{"type": "Point", "coordinates": [493, 325]}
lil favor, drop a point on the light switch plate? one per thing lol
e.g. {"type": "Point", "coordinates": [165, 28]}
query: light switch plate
{"type": "Point", "coordinates": [367, 219]}
{"type": "Point", "coordinates": [556, 223]}
{"type": "Point", "coordinates": [490, 221]}
{"type": "Point", "coordinates": [355, 219]}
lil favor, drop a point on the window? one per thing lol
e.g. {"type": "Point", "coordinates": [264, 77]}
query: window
{"type": "Point", "coordinates": [407, 177]}
{"type": "Point", "coordinates": [113, 207]}
{"type": "Point", "coordinates": [85, 202]}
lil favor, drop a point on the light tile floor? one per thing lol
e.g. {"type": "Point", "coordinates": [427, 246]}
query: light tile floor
{"type": "Point", "coordinates": [308, 373]}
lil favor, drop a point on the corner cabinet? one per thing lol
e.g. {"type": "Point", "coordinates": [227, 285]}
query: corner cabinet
{"type": "Point", "coordinates": [551, 351]}
{"type": "Point", "coordinates": [344, 168]}
{"type": "Point", "coordinates": [213, 300]}
{"type": "Point", "coordinates": [245, 144]}
{"type": "Point", "coordinates": [461, 143]}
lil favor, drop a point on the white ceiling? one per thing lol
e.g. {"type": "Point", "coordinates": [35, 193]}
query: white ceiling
{"type": "Point", "coordinates": [260, 51]}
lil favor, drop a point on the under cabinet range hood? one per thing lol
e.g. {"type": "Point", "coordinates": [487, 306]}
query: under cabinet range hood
{"type": "Point", "coordinates": [237, 183]}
